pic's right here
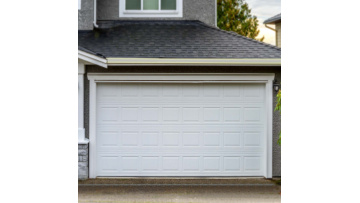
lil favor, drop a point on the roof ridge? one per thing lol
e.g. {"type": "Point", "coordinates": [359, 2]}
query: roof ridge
{"type": "Point", "coordinates": [237, 35]}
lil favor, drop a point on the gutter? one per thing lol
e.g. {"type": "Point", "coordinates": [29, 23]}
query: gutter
{"type": "Point", "coordinates": [106, 62]}
{"type": "Point", "coordinates": [192, 61]}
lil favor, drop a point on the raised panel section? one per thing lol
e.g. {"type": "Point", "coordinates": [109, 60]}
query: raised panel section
{"type": "Point", "coordinates": [191, 163]}
{"type": "Point", "coordinates": [171, 114]}
{"type": "Point", "coordinates": [191, 114]}
{"type": "Point", "coordinates": [211, 163]}
{"type": "Point", "coordinates": [253, 91]}
{"type": "Point", "coordinates": [150, 114]}
{"type": "Point", "coordinates": [232, 114]}
{"type": "Point", "coordinates": [171, 90]}
{"type": "Point", "coordinates": [232, 138]}
{"type": "Point", "coordinates": [232, 90]}
{"type": "Point", "coordinates": [190, 90]}
{"type": "Point", "coordinates": [252, 163]}
{"type": "Point", "coordinates": [130, 90]}
{"type": "Point", "coordinates": [150, 138]}
{"type": "Point", "coordinates": [171, 138]}
{"type": "Point", "coordinates": [252, 139]}
{"type": "Point", "coordinates": [212, 114]}
{"type": "Point", "coordinates": [252, 114]}
{"type": "Point", "coordinates": [108, 139]}
{"type": "Point", "coordinates": [171, 163]}
{"type": "Point", "coordinates": [108, 114]}
{"type": "Point", "coordinates": [130, 114]}
{"type": "Point", "coordinates": [212, 90]}
{"type": "Point", "coordinates": [130, 163]}
{"type": "Point", "coordinates": [108, 164]}
{"type": "Point", "coordinates": [212, 138]}
{"type": "Point", "coordinates": [130, 138]}
{"type": "Point", "coordinates": [150, 163]}
{"type": "Point", "coordinates": [232, 163]}
{"type": "Point", "coordinates": [150, 90]}
{"type": "Point", "coordinates": [191, 138]}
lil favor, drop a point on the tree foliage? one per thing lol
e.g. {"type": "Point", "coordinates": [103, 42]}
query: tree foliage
{"type": "Point", "coordinates": [278, 108]}
{"type": "Point", "coordinates": [235, 15]}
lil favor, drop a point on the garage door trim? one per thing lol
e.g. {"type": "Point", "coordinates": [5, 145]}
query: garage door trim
{"type": "Point", "coordinates": [266, 79]}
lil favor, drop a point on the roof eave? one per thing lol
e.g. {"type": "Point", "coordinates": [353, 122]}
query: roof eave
{"type": "Point", "coordinates": [92, 59]}
{"type": "Point", "coordinates": [112, 61]}
{"type": "Point", "coordinates": [272, 21]}
{"type": "Point", "coordinates": [193, 61]}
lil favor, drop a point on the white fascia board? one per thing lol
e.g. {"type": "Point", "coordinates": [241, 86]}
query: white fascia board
{"type": "Point", "coordinates": [166, 77]}
{"type": "Point", "coordinates": [92, 59]}
{"type": "Point", "coordinates": [190, 61]}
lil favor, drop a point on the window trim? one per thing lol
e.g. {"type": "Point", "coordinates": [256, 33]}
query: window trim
{"type": "Point", "coordinates": [178, 13]}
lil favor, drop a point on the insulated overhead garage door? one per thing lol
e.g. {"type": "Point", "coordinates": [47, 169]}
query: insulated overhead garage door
{"type": "Point", "coordinates": [173, 129]}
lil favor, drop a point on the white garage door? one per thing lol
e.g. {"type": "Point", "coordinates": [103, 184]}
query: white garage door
{"type": "Point", "coordinates": [169, 129]}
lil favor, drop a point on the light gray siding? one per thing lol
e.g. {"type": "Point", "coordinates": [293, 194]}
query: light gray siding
{"type": "Point", "coordinates": [133, 69]}
{"type": "Point", "coordinates": [203, 10]}
{"type": "Point", "coordinates": [86, 15]}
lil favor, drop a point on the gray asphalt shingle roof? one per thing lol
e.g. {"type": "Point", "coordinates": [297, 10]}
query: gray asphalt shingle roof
{"type": "Point", "coordinates": [171, 39]}
{"type": "Point", "coordinates": [273, 19]}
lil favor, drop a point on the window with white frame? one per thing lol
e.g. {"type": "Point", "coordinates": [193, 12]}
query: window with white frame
{"type": "Point", "coordinates": [79, 4]}
{"type": "Point", "coordinates": [151, 8]}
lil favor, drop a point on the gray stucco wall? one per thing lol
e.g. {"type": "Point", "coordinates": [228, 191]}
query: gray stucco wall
{"type": "Point", "coordinates": [86, 15]}
{"type": "Point", "coordinates": [203, 10]}
{"type": "Point", "coordinates": [160, 69]}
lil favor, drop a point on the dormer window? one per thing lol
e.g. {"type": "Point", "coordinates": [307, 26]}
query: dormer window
{"type": "Point", "coordinates": [151, 8]}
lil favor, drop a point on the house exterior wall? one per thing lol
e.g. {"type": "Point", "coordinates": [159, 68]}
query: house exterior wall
{"type": "Point", "coordinates": [189, 69]}
{"type": "Point", "coordinates": [278, 34]}
{"type": "Point", "coordinates": [86, 15]}
{"type": "Point", "coordinates": [202, 10]}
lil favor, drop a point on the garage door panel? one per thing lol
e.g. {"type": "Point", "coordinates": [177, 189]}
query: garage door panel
{"type": "Point", "coordinates": [249, 140]}
{"type": "Point", "coordinates": [191, 164]}
{"type": "Point", "coordinates": [180, 129]}
{"type": "Point", "coordinates": [182, 114]}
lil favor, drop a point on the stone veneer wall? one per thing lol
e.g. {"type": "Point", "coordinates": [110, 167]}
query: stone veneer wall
{"type": "Point", "coordinates": [83, 161]}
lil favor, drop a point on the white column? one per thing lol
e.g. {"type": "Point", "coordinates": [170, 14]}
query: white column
{"type": "Point", "coordinates": [81, 129]}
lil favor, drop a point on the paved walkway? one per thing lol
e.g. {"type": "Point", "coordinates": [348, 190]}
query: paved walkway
{"type": "Point", "coordinates": [259, 193]}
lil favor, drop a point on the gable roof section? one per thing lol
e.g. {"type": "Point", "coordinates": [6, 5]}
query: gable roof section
{"type": "Point", "coordinates": [273, 19]}
{"type": "Point", "coordinates": [171, 39]}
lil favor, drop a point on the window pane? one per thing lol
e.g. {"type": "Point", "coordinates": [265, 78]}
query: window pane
{"type": "Point", "coordinates": [133, 4]}
{"type": "Point", "coordinates": [151, 4]}
{"type": "Point", "coordinates": [168, 4]}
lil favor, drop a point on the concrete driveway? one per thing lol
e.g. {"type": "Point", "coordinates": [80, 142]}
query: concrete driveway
{"type": "Point", "coordinates": [190, 192]}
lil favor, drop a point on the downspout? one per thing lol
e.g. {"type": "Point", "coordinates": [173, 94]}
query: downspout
{"type": "Point", "coordinates": [95, 25]}
{"type": "Point", "coordinates": [276, 41]}
{"type": "Point", "coordinates": [216, 13]}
